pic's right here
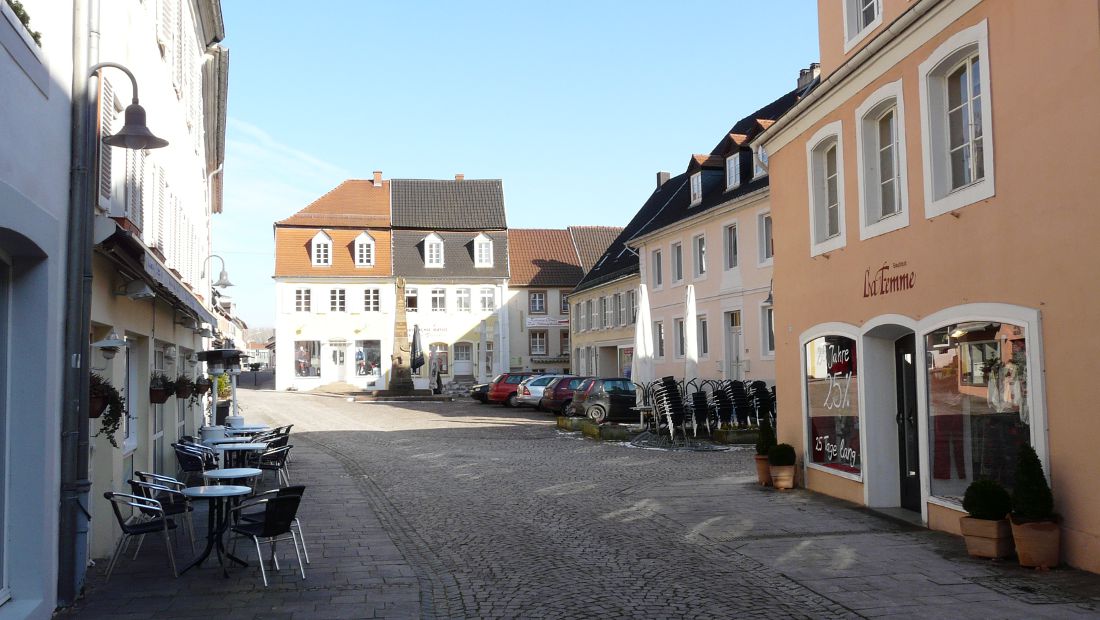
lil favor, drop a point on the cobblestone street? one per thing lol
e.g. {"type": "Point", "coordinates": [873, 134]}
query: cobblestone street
{"type": "Point", "coordinates": [460, 510]}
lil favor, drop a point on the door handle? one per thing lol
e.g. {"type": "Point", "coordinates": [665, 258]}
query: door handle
{"type": "Point", "coordinates": [900, 417]}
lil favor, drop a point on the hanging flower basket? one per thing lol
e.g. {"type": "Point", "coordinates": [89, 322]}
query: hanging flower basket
{"type": "Point", "coordinates": [202, 386]}
{"type": "Point", "coordinates": [97, 404]}
{"type": "Point", "coordinates": [184, 386]}
{"type": "Point", "coordinates": [105, 397]}
{"type": "Point", "coordinates": [160, 388]}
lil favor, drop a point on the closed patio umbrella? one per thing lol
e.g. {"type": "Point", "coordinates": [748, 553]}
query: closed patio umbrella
{"type": "Point", "coordinates": [691, 337]}
{"type": "Point", "coordinates": [641, 366]}
{"type": "Point", "coordinates": [416, 357]}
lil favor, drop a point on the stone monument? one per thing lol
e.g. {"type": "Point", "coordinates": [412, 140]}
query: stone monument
{"type": "Point", "coordinates": [401, 382]}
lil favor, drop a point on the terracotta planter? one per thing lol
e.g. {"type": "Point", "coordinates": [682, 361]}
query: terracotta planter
{"type": "Point", "coordinates": [202, 387]}
{"type": "Point", "coordinates": [987, 539]}
{"type": "Point", "coordinates": [763, 470]}
{"type": "Point", "coordinates": [158, 396]}
{"type": "Point", "coordinates": [782, 476]}
{"type": "Point", "coordinates": [184, 391]}
{"type": "Point", "coordinates": [1037, 544]}
{"type": "Point", "coordinates": [96, 405]}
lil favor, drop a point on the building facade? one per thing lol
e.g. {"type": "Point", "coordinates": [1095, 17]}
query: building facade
{"type": "Point", "coordinates": [928, 316]}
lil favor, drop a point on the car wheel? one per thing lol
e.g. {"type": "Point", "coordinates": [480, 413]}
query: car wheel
{"type": "Point", "coordinates": [597, 414]}
{"type": "Point", "coordinates": [511, 402]}
{"type": "Point", "coordinates": [567, 409]}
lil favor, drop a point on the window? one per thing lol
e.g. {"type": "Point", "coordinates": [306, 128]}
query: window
{"type": "Point", "coordinates": [767, 250]}
{"type": "Point", "coordinates": [605, 306]}
{"type": "Point", "coordinates": [767, 316]}
{"type": "Point", "coordinates": [699, 252]}
{"type": "Point", "coordinates": [488, 356]}
{"type": "Point", "coordinates": [633, 297]}
{"type": "Point", "coordinates": [433, 251]}
{"type": "Point", "coordinates": [759, 163]}
{"type": "Point", "coordinates": [677, 262]}
{"type": "Point", "coordinates": [464, 352]}
{"type": "Point", "coordinates": [368, 358]}
{"type": "Point", "coordinates": [336, 300]}
{"type": "Point", "coordinates": [537, 341]}
{"type": "Point", "coordinates": [733, 171]}
{"type": "Point", "coordinates": [439, 300]}
{"type": "Point", "coordinates": [536, 302]}
{"type": "Point", "coordinates": [462, 299]}
{"type": "Point", "coordinates": [564, 297]}
{"type": "Point", "coordinates": [832, 403]}
{"type": "Point", "coordinates": [696, 188]}
{"type": "Point", "coordinates": [826, 177]}
{"type": "Point", "coordinates": [301, 300]}
{"type": "Point", "coordinates": [658, 277]}
{"type": "Point", "coordinates": [880, 137]}
{"type": "Point", "coordinates": [701, 333]}
{"type": "Point", "coordinates": [659, 338]}
{"type": "Point", "coordinates": [364, 250]}
{"type": "Point", "coordinates": [371, 300]}
{"type": "Point", "coordinates": [956, 136]}
{"type": "Point", "coordinates": [860, 18]}
{"type": "Point", "coordinates": [307, 358]}
{"type": "Point", "coordinates": [578, 316]}
{"type": "Point", "coordinates": [735, 319]}
{"type": "Point", "coordinates": [620, 310]}
{"type": "Point", "coordinates": [729, 238]}
{"type": "Point", "coordinates": [488, 299]}
{"type": "Point", "coordinates": [412, 300]}
{"type": "Point", "coordinates": [483, 251]}
{"type": "Point", "coordinates": [322, 249]}
{"type": "Point", "coordinates": [438, 354]}
{"type": "Point", "coordinates": [563, 338]}
{"type": "Point", "coordinates": [589, 322]}
{"type": "Point", "coordinates": [678, 326]}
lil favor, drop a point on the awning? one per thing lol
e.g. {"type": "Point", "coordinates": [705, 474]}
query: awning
{"type": "Point", "coordinates": [165, 279]}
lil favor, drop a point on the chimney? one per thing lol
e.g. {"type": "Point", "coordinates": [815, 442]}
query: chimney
{"type": "Point", "coordinates": [662, 178]}
{"type": "Point", "coordinates": [805, 76]}
{"type": "Point", "coordinates": [378, 178]}
{"type": "Point", "coordinates": [460, 177]}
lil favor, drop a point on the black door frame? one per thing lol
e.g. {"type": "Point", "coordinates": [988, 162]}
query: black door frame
{"type": "Point", "coordinates": [909, 470]}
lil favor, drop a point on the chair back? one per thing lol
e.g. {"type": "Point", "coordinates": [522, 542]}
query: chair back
{"type": "Point", "coordinates": [189, 460]}
{"type": "Point", "coordinates": [143, 504]}
{"type": "Point", "coordinates": [296, 490]}
{"type": "Point", "coordinates": [279, 513]}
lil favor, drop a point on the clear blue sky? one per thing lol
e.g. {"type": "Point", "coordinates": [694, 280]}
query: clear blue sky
{"type": "Point", "coordinates": [575, 105]}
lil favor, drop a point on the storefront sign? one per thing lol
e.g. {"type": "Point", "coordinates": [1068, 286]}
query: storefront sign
{"type": "Point", "coordinates": [889, 278]}
{"type": "Point", "coordinates": [546, 321]}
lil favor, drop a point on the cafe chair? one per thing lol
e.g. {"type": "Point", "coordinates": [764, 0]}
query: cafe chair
{"type": "Point", "coordinates": [159, 522]}
{"type": "Point", "coordinates": [194, 459]}
{"type": "Point", "coordinates": [274, 524]}
{"type": "Point", "coordinates": [255, 517]}
{"type": "Point", "coordinates": [273, 459]}
{"type": "Point", "coordinates": [166, 490]}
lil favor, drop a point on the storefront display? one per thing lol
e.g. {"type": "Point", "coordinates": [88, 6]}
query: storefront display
{"type": "Point", "coordinates": [832, 392]}
{"type": "Point", "coordinates": [368, 357]}
{"type": "Point", "coordinates": [307, 358]}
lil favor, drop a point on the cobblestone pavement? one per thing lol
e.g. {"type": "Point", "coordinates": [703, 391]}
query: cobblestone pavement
{"type": "Point", "coordinates": [460, 510]}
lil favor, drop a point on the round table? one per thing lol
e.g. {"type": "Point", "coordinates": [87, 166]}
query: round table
{"type": "Point", "coordinates": [236, 473]}
{"type": "Point", "coordinates": [217, 521]}
{"type": "Point", "coordinates": [238, 450]}
{"type": "Point", "coordinates": [221, 440]}
{"type": "Point", "coordinates": [245, 430]}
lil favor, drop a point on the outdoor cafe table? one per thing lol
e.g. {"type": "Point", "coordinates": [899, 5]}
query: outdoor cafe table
{"type": "Point", "coordinates": [217, 476]}
{"type": "Point", "coordinates": [238, 451]}
{"type": "Point", "coordinates": [246, 430]}
{"type": "Point", "coordinates": [217, 521]}
{"type": "Point", "coordinates": [221, 440]}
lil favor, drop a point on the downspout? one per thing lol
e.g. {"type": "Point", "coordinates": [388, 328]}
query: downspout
{"type": "Point", "coordinates": [73, 512]}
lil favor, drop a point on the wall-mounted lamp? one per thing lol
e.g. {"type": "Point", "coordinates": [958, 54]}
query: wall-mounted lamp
{"type": "Point", "coordinates": [110, 345]}
{"type": "Point", "coordinates": [136, 289]}
{"type": "Point", "coordinates": [204, 332]}
{"type": "Point", "coordinates": [192, 360]}
{"type": "Point", "coordinates": [135, 133]}
{"type": "Point", "coordinates": [170, 353]}
{"type": "Point", "coordinates": [223, 277]}
{"type": "Point", "coordinates": [188, 322]}
{"type": "Point", "coordinates": [769, 301]}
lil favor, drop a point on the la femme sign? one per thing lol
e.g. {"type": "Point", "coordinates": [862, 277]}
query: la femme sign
{"type": "Point", "coordinates": [887, 279]}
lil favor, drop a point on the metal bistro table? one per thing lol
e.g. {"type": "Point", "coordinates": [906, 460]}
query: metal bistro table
{"type": "Point", "coordinates": [217, 521]}
{"type": "Point", "coordinates": [246, 430]}
{"type": "Point", "coordinates": [238, 451]}
{"type": "Point", "coordinates": [225, 440]}
{"type": "Point", "coordinates": [219, 476]}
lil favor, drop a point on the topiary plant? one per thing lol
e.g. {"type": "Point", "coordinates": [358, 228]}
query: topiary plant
{"type": "Point", "coordinates": [765, 439]}
{"type": "Point", "coordinates": [987, 499]}
{"type": "Point", "coordinates": [781, 455]}
{"type": "Point", "coordinates": [1031, 496]}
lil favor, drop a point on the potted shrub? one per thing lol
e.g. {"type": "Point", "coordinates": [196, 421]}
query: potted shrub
{"type": "Point", "coordinates": [184, 386]}
{"type": "Point", "coordinates": [115, 407]}
{"type": "Point", "coordinates": [765, 441]}
{"type": "Point", "coordinates": [160, 388]}
{"type": "Point", "coordinates": [781, 459]}
{"type": "Point", "coordinates": [1034, 525]}
{"type": "Point", "coordinates": [986, 530]}
{"type": "Point", "coordinates": [202, 385]}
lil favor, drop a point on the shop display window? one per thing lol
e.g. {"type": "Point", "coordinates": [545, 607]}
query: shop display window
{"type": "Point", "coordinates": [832, 392]}
{"type": "Point", "coordinates": [979, 414]}
{"type": "Point", "coordinates": [307, 358]}
{"type": "Point", "coordinates": [368, 358]}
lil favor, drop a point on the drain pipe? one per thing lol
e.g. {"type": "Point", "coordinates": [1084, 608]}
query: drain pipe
{"type": "Point", "coordinates": [73, 515]}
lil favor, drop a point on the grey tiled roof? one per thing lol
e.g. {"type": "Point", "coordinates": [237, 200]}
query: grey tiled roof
{"type": "Point", "coordinates": [458, 255]}
{"type": "Point", "coordinates": [428, 204]}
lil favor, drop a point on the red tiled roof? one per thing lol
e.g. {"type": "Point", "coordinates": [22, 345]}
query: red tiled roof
{"type": "Point", "coordinates": [543, 257]}
{"type": "Point", "coordinates": [354, 203]}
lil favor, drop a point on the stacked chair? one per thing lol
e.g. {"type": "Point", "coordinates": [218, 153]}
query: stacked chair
{"type": "Point", "coordinates": [668, 402]}
{"type": "Point", "coordinates": [763, 400]}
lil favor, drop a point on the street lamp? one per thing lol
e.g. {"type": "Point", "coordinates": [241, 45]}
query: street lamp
{"type": "Point", "coordinates": [135, 133]}
{"type": "Point", "coordinates": [223, 277]}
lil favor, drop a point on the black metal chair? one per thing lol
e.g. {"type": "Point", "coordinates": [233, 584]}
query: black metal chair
{"type": "Point", "coordinates": [255, 517]}
{"type": "Point", "coordinates": [159, 522]}
{"type": "Point", "coordinates": [274, 525]}
{"type": "Point", "coordinates": [193, 459]}
{"type": "Point", "coordinates": [166, 491]}
{"type": "Point", "coordinates": [273, 459]}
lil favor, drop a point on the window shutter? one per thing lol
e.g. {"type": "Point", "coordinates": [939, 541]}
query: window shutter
{"type": "Point", "coordinates": [106, 120]}
{"type": "Point", "coordinates": [137, 205]}
{"type": "Point", "coordinates": [158, 219]}
{"type": "Point", "coordinates": [177, 56]}
{"type": "Point", "coordinates": [166, 27]}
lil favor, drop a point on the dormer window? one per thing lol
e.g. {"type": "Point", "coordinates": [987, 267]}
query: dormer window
{"type": "Point", "coordinates": [696, 188]}
{"type": "Point", "coordinates": [733, 171]}
{"type": "Point", "coordinates": [760, 163]}
{"type": "Point", "coordinates": [483, 251]}
{"type": "Point", "coordinates": [364, 250]}
{"type": "Point", "coordinates": [433, 251]}
{"type": "Point", "coordinates": [321, 249]}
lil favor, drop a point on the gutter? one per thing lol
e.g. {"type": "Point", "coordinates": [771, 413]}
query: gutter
{"type": "Point", "coordinates": [865, 54]}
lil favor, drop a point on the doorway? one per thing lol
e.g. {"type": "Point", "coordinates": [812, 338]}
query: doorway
{"type": "Point", "coordinates": [733, 345]}
{"type": "Point", "coordinates": [905, 368]}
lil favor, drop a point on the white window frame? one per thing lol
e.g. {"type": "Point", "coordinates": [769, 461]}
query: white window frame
{"type": "Point", "coordinates": [337, 300]}
{"type": "Point", "coordinates": [537, 302]}
{"type": "Point", "coordinates": [699, 256]}
{"type": "Point", "coordinates": [816, 148]}
{"type": "Point", "coordinates": [702, 334]}
{"type": "Point", "coordinates": [759, 163]}
{"type": "Point", "coordinates": [938, 197]}
{"type": "Point", "coordinates": [534, 335]}
{"type": "Point", "coordinates": [632, 295]}
{"type": "Point", "coordinates": [563, 300]}
{"type": "Point", "coordinates": [762, 260]}
{"type": "Point", "coordinates": [659, 339]}
{"type": "Point", "coordinates": [676, 261]}
{"type": "Point", "coordinates": [364, 250]}
{"type": "Point", "coordinates": [434, 242]}
{"type": "Point", "coordinates": [679, 336]}
{"type": "Point", "coordinates": [696, 184]}
{"type": "Point", "coordinates": [415, 294]}
{"type": "Point", "coordinates": [868, 113]}
{"type": "Point", "coordinates": [303, 300]}
{"type": "Point", "coordinates": [437, 294]}
{"type": "Point", "coordinates": [853, 34]}
{"type": "Point", "coordinates": [372, 300]}
{"type": "Point", "coordinates": [620, 310]}
{"type": "Point", "coordinates": [765, 352]}
{"type": "Point", "coordinates": [483, 242]}
{"type": "Point", "coordinates": [320, 249]}
{"type": "Point", "coordinates": [487, 293]}
{"type": "Point", "coordinates": [464, 299]}
{"type": "Point", "coordinates": [733, 171]}
{"type": "Point", "coordinates": [656, 267]}
{"type": "Point", "coordinates": [729, 252]}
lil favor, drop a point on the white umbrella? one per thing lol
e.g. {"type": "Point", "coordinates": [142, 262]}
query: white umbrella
{"type": "Point", "coordinates": [691, 340]}
{"type": "Point", "coordinates": [483, 355]}
{"type": "Point", "coordinates": [641, 366]}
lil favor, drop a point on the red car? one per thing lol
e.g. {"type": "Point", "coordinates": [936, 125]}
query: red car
{"type": "Point", "coordinates": [503, 388]}
{"type": "Point", "coordinates": [558, 395]}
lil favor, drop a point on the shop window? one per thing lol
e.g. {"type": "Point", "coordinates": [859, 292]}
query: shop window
{"type": "Point", "coordinates": [307, 358]}
{"type": "Point", "coordinates": [832, 394]}
{"type": "Point", "coordinates": [979, 412]}
{"type": "Point", "coordinates": [368, 358]}
{"type": "Point", "coordinates": [439, 358]}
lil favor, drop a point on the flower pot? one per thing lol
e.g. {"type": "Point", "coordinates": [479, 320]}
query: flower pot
{"type": "Point", "coordinates": [158, 396]}
{"type": "Point", "coordinates": [202, 387]}
{"type": "Point", "coordinates": [763, 470]}
{"type": "Point", "coordinates": [986, 538]}
{"type": "Point", "coordinates": [782, 476]}
{"type": "Point", "coordinates": [97, 404]}
{"type": "Point", "coordinates": [183, 391]}
{"type": "Point", "coordinates": [1037, 544]}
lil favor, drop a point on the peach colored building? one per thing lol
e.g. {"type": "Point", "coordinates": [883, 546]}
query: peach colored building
{"type": "Point", "coordinates": [933, 198]}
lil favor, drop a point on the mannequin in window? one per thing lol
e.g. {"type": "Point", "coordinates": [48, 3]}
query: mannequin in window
{"type": "Point", "coordinates": [360, 362]}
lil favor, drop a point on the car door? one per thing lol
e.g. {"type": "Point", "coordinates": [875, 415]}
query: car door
{"type": "Point", "coordinates": [620, 394]}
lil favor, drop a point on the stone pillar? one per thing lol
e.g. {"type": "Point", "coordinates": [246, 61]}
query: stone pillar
{"type": "Point", "coordinates": [400, 371]}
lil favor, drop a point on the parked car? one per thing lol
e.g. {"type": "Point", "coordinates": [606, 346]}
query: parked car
{"type": "Point", "coordinates": [608, 399]}
{"type": "Point", "coordinates": [558, 394]}
{"type": "Point", "coordinates": [503, 388]}
{"type": "Point", "coordinates": [530, 390]}
{"type": "Point", "coordinates": [480, 392]}
{"type": "Point", "coordinates": [581, 394]}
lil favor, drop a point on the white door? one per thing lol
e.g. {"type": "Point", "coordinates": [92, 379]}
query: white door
{"type": "Point", "coordinates": [733, 345]}
{"type": "Point", "coordinates": [463, 359]}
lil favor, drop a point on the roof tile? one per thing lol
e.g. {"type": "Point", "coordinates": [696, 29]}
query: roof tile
{"type": "Point", "coordinates": [543, 257]}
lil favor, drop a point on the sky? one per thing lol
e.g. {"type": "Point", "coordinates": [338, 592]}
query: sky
{"type": "Point", "coordinates": [575, 105]}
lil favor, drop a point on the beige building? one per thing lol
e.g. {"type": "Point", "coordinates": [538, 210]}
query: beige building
{"type": "Point", "coordinates": [933, 240]}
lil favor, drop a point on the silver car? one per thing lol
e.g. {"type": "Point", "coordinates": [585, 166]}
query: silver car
{"type": "Point", "coordinates": [529, 392]}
